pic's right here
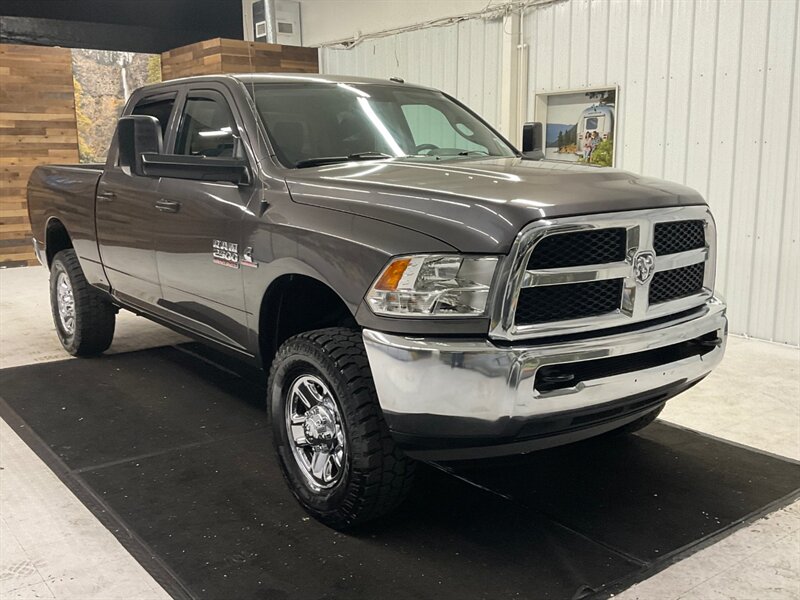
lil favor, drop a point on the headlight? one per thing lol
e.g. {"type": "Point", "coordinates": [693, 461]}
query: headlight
{"type": "Point", "coordinates": [439, 285]}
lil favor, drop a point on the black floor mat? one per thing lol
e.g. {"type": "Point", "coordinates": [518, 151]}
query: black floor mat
{"type": "Point", "coordinates": [173, 454]}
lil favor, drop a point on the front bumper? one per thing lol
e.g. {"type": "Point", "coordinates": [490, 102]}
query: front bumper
{"type": "Point", "coordinates": [446, 398]}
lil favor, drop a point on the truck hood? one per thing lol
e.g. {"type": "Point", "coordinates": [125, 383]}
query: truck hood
{"type": "Point", "coordinates": [479, 205]}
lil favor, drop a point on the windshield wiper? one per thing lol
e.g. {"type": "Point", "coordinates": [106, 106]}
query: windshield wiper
{"type": "Point", "coordinates": [369, 154]}
{"type": "Point", "coordinates": [449, 155]}
{"type": "Point", "coordinates": [328, 160]}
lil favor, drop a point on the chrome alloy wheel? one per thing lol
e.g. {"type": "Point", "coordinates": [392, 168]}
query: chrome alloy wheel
{"type": "Point", "coordinates": [315, 430]}
{"type": "Point", "coordinates": [66, 303]}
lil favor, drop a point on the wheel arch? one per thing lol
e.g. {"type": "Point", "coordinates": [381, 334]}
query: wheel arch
{"type": "Point", "coordinates": [56, 239]}
{"type": "Point", "coordinates": [296, 303]}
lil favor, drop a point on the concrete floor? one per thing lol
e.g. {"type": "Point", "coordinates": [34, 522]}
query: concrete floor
{"type": "Point", "coordinates": [51, 546]}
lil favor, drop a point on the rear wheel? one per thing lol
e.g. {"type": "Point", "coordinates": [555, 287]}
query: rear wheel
{"type": "Point", "coordinates": [334, 447]}
{"type": "Point", "coordinates": [83, 317]}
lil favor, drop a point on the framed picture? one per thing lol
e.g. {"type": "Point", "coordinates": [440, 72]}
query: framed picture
{"type": "Point", "coordinates": [579, 125]}
{"type": "Point", "coordinates": [103, 80]}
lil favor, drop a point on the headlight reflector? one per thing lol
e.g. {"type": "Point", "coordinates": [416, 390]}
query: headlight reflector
{"type": "Point", "coordinates": [438, 285]}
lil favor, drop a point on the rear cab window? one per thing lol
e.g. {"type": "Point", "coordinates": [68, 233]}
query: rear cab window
{"type": "Point", "coordinates": [159, 106]}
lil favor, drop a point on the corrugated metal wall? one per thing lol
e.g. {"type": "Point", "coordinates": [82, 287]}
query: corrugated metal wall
{"type": "Point", "coordinates": [463, 60]}
{"type": "Point", "coordinates": [709, 97]}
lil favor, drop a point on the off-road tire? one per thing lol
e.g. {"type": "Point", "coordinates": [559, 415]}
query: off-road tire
{"type": "Point", "coordinates": [378, 475]}
{"type": "Point", "coordinates": [638, 424]}
{"type": "Point", "coordinates": [95, 316]}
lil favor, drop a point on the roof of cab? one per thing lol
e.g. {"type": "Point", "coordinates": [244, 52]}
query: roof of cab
{"type": "Point", "coordinates": [287, 78]}
{"type": "Point", "coordinates": [313, 78]}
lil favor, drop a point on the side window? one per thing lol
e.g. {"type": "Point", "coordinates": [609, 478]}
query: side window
{"type": "Point", "coordinates": [160, 109]}
{"type": "Point", "coordinates": [207, 127]}
{"type": "Point", "coordinates": [429, 126]}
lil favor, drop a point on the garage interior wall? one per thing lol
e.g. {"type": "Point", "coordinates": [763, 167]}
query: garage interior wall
{"type": "Point", "coordinates": [37, 126]}
{"type": "Point", "coordinates": [236, 56]}
{"type": "Point", "coordinates": [328, 20]}
{"type": "Point", "coordinates": [694, 109]}
{"type": "Point", "coordinates": [145, 26]}
{"type": "Point", "coordinates": [467, 61]}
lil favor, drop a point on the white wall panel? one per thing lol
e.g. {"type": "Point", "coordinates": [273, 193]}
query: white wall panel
{"type": "Point", "coordinates": [464, 60]}
{"type": "Point", "coordinates": [768, 268]}
{"type": "Point", "coordinates": [634, 111]}
{"type": "Point", "coordinates": [723, 145]}
{"type": "Point", "coordinates": [597, 50]}
{"type": "Point", "coordinates": [747, 132]}
{"type": "Point", "coordinates": [701, 106]}
{"type": "Point", "coordinates": [709, 97]}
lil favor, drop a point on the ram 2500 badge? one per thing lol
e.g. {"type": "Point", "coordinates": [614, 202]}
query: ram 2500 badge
{"type": "Point", "coordinates": [415, 287]}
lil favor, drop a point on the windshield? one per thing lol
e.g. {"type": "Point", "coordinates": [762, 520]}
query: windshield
{"type": "Point", "coordinates": [319, 123]}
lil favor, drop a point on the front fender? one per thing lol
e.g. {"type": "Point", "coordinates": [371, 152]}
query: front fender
{"type": "Point", "coordinates": [345, 252]}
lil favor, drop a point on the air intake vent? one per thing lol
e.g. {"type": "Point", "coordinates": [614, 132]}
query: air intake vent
{"type": "Point", "coordinates": [679, 236]}
{"type": "Point", "coordinates": [591, 247]}
{"type": "Point", "coordinates": [569, 301]}
{"type": "Point", "coordinates": [677, 283]}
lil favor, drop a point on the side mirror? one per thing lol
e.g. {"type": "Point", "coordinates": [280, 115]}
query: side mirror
{"type": "Point", "coordinates": [532, 141]}
{"type": "Point", "coordinates": [136, 135]}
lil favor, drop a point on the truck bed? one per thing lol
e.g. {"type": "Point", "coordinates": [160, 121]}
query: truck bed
{"type": "Point", "coordinates": [66, 193]}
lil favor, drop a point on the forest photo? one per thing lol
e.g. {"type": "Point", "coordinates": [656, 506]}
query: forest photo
{"type": "Point", "coordinates": [103, 81]}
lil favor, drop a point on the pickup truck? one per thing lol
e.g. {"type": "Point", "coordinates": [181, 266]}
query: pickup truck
{"type": "Point", "coordinates": [415, 287]}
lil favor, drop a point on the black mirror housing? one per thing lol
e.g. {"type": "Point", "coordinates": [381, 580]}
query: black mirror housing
{"type": "Point", "coordinates": [136, 135]}
{"type": "Point", "coordinates": [532, 137]}
{"type": "Point", "coordinates": [198, 168]}
{"type": "Point", "coordinates": [533, 155]}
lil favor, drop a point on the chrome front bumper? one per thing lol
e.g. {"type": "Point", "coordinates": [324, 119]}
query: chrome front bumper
{"type": "Point", "coordinates": [486, 390]}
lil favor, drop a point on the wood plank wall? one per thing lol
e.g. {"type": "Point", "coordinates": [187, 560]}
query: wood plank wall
{"type": "Point", "coordinates": [236, 56]}
{"type": "Point", "coordinates": [37, 126]}
{"type": "Point", "coordinates": [37, 113]}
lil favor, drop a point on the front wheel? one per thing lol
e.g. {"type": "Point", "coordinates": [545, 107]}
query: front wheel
{"type": "Point", "coordinates": [83, 317]}
{"type": "Point", "coordinates": [334, 447]}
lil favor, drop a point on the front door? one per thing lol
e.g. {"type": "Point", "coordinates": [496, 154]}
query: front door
{"type": "Point", "coordinates": [126, 216]}
{"type": "Point", "coordinates": [199, 226]}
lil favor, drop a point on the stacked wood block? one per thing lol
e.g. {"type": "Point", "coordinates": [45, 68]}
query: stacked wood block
{"type": "Point", "coordinates": [37, 126]}
{"type": "Point", "coordinates": [37, 113]}
{"type": "Point", "coordinates": [237, 56]}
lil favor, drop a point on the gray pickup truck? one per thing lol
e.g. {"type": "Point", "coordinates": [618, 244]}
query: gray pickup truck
{"type": "Point", "coordinates": [415, 286]}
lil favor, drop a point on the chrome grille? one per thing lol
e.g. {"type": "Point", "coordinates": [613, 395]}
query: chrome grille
{"type": "Point", "coordinates": [560, 302]}
{"type": "Point", "coordinates": [679, 236]}
{"type": "Point", "coordinates": [558, 284]}
{"type": "Point", "coordinates": [579, 248]}
{"type": "Point", "coordinates": [676, 283]}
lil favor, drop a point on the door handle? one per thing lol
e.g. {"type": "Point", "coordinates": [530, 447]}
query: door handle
{"type": "Point", "coordinates": [106, 196]}
{"type": "Point", "coordinates": [168, 206]}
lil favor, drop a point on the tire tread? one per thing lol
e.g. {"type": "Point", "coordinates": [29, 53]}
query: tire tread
{"type": "Point", "coordinates": [95, 316]}
{"type": "Point", "coordinates": [386, 474]}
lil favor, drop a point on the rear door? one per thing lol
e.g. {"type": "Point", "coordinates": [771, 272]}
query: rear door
{"type": "Point", "coordinates": [126, 216]}
{"type": "Point", "coordinates": [199, 225]}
